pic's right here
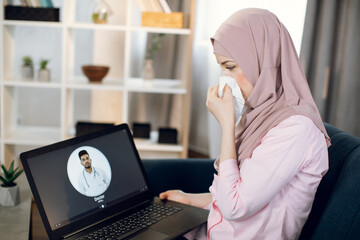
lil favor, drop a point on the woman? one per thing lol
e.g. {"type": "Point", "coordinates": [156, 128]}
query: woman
{"type": "Point", "coordinates": [273, 158]}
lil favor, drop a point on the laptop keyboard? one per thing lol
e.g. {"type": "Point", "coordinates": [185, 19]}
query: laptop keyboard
{"type": "Point", "coordinates": [133, 223]}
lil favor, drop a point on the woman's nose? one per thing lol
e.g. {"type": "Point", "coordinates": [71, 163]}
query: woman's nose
{"type": "Point", "coordinates": [224, 73]}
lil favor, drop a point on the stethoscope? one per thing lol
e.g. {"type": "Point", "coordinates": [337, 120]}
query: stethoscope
{"type": "Point", "coordinates": [95, 172]}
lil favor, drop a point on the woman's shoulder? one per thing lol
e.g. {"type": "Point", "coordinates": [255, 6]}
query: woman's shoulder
{"type": "Point", "coordinates": [297, 127]}
{"type": "Point", "coordinates": [297, 133]}
{"type": "Point", "coordinates": [298, 123]}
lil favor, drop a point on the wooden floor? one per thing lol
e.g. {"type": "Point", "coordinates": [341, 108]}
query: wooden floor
{"type": "Point", "coordinates": [38, 231]}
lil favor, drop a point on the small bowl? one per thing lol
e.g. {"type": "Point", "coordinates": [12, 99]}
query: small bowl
{"type": "Point", "coordinates": [95, 73]}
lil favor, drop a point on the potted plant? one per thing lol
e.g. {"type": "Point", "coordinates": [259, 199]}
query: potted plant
{"type": "Point", "coordinates": [27, 71]}
{"type": "Point", "coordinates": [9, 190]}
{"type": "Point", "coordinates": [148, 71]}
{"type": "Point", "coordinates": [44, 73]}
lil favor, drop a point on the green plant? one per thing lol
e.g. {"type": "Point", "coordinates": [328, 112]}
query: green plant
{"type": "Point", "coordinates": [154, 45]}
{"type": "Point", "coordinates": [99, 18]}
{"type": "Point", "coordinates": [43, 63]}
{"type": "Point", "coordinates": [27, 61]}
{"type": "Point", "coordinates": [10, 175]}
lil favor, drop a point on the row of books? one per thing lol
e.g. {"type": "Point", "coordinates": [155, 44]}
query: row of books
{"type": "Point", "coordinates": [37, 3]}
{"type": "Point", "coordinates": [161, 6]}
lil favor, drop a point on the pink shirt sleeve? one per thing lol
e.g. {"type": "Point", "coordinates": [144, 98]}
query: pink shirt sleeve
{"type": "Point", "coordinates": [283, 151]}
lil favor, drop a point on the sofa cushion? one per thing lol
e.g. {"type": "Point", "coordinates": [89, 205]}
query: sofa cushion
{"type": "Point", "coordinates": [336, 208]}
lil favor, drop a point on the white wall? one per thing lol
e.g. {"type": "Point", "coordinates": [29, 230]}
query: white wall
{"type": "Point", "coordinates": [205, 131]}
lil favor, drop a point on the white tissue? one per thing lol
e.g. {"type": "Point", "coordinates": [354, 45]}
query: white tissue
{"type": "Point", "coordinates": [239, 100]}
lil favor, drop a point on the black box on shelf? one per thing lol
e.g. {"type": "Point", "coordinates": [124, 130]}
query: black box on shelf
{"type": "Point", "coordinates": [32, 14]}
{"type": "Point", "coordinates": [167, 135]}
{"type": "Point", "coordinates": [141, 130]}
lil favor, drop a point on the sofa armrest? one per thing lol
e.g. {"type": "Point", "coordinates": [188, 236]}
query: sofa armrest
{"type": "Point", "coordinates": [189, 175]}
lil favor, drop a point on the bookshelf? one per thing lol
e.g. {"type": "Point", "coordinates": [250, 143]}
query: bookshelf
{"type": "Point", "coordinates": [34, 114]}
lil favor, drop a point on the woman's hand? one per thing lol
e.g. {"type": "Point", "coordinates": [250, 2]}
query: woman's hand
{"type": "Point", "coordinates": [223, 109]}
{"type": "Point", "coordinates": [200, 200]}
{"type": "Point", "coordinates": [176, 196]}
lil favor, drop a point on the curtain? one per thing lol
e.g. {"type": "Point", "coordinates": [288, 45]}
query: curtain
{"type": "Point", "coordinates": [330, 56]}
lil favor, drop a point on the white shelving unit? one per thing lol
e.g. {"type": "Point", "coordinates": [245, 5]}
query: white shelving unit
{"type": "Point", "coordinates": [63, 89]}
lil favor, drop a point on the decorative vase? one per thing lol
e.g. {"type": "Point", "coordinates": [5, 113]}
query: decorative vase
{"type": "Point", "coordinates": [44, 75]}
{"type": "Point", "coordinates": [101, 12]}
{"type": "Point", "coordinates": [9, 196]}
{"type": "Point", "coordinates": [27, 73]}
{"type": "Point", "coordinates": [148, 71]}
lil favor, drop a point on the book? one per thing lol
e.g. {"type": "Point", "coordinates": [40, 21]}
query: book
{"type": "Point", "coordinates": [156, 6]}
{"type": "Point", "coordinates": [160, 6]}
{"type": "Point", "coordinates": [174, 5]}
{"type": "Point", "coordinates": [28, 3]}
{"type": "Point", "coordinates": [145, 6]}
{"type": "Point", "coordinates": [33, 3]}
{"type": "Point", "coordinates": [165, 6]}
{"type": "Point", "coordinates": [37, 3]}
{"type": "Point", "coordinates": [48, 4]}
{"type": "Point", "coordinates": [43, 3]}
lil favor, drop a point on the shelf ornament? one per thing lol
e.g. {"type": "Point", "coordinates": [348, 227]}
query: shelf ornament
{"type": "Point", "coordinates": [101, 12]}
{"type": "Point", "coordinates": [27, 70]}
{"type": "Point", "coordinates": [44, 73]}
{"type": "Point", "coordinates": [154, 46]}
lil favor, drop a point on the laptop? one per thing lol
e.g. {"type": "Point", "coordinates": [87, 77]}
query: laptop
{"type": "Point", "coordinates": [94, 186]}
{"type": "Point", "coordinates": [83, 127]}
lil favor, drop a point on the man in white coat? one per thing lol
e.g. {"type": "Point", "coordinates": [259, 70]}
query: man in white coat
{"type": "Point", "coordinates": [92, 181]}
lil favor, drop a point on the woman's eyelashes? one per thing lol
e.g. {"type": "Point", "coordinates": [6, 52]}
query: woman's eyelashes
{"type": "Point", "coordinates": [230, 67]}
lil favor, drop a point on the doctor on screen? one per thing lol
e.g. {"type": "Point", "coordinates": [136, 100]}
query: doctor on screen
{"type": "Point", "coordinates": [92, 181]}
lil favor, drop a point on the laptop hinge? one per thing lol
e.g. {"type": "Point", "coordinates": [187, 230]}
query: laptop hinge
{"type": "Point", "coordinates": [103, 220]}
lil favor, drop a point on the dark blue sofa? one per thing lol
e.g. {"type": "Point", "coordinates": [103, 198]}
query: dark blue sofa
{"type": "Point", "coordinates": [336, 210]}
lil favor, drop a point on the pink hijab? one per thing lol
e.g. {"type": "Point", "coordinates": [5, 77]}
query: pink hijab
{"type": "Point", "coordinates": [262, 47]}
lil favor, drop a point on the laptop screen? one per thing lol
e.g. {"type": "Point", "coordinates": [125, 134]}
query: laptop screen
{"type": "Point", "coordinates": [83, 178]}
